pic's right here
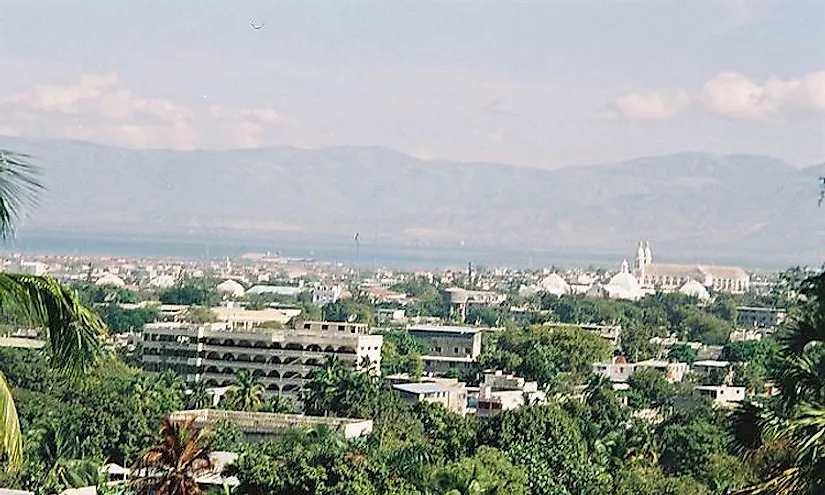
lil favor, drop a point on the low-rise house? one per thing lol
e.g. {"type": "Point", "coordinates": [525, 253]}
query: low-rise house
{"type": "Point", "coordinates": [674, 371]}
{"type": "Point", "coordinates": [723, 395]}
{"type": "Point", "coordinates": [450, 393]}
{"type": "Point", "coordinates": [708, 365]}
{"type": "Point", "coordinates": [389, 315]}
{"type": "Point", "coordinates": [499, 392]}
{"type": "Point", "coordinates": [619, 370]}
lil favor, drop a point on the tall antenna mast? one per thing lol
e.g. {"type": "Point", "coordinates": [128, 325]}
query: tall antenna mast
{"type": "Point", "coordinates": [357, 255]}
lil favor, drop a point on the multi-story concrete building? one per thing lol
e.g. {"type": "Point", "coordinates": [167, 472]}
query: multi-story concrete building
{"type": "Point", "coordinates": [499, 392]}
{"type": "Point", "coordinates": [283, 360]}
{"type": "Point", "coordinates": [448, 347]}
{"type": "Point", "coordinates": [450, 393]}
{"type": "Point", "coordinates": [753, 317]}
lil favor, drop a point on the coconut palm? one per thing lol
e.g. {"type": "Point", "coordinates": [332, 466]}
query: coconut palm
{"type": "Point", "coordinates": [71, 330]}
{"type": "Point", "coordinates": [173, 467]}
{"type": "Point", "coordinates": [797, 426]}
{"type": "Point", "coordinates": [198, 396]}
{"type": "Point", "coordinates": [247, 394]}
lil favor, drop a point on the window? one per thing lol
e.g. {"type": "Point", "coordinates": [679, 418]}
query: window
{"type": "Point", "coordinates": [455, 350]}
{"type": "Point", "coordinates": [341, 328]}
{"type": "Point", "coordinates": [324, 327]}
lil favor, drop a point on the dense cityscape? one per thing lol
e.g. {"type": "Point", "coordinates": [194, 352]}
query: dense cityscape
{"type": "Point", "coordinates": [362, 247]}
{"type": "Point", "coordinates": [299, 376]}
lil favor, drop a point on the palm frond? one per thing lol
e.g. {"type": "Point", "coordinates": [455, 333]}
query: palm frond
{"type": "Point", "coordinates": [10, 436]}
{"type": "Point", "coordinates": [73, 330]}
{"type": "Point", "coordinates": [19, 187]}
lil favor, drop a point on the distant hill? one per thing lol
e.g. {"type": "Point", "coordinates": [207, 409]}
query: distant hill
{"type": "Point", "coordinates": [686, 204]}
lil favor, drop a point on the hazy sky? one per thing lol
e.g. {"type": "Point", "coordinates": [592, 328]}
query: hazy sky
{"type": "Point", "coordinates": [541, 83]}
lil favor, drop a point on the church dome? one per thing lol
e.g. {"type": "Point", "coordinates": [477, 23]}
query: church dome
{"type": "Point", "coordinates": [623, 285]}
{"type": "Point", "coordinates": [693, 288]}
{"type": "Point", "coordinates": [110, 280]}
{"type": "Point", "coordinates": [554, 284]}
{"type": "Point", "coordinates": [230, 287]}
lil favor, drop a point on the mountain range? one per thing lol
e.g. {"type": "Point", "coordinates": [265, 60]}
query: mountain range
{"type": "Point", "coordinates": [689, 204]}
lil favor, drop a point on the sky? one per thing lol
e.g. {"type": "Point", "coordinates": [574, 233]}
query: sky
{"type": "Point", "coordinates": [539, 83]}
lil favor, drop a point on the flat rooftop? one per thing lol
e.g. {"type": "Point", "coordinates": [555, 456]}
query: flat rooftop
{"type": "Point", "coordinates": [443, 329]}
{"type": "Point", "coordinates": [271, 423]}
{"type": "Point", "coordinates": [425, 388]}
{"type": "Point", "coordinates": [711, 363]}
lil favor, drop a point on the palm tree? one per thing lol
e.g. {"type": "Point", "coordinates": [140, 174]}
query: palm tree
{"type": "Point", "coordinates": [797, 426]}
{"type": "Point", "coordinates": [197, 396]}
{"type": "Point", "coordinates": [247, 394]}
{"type": "Point", "coordinates": [71, 330]}
{"type": "Point", "coordinates": [173, 467]}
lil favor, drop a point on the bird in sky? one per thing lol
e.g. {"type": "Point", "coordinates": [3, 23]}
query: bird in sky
{"type": "Point", "coordinates": [255, 26]}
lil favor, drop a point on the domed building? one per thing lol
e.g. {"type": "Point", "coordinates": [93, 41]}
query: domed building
{"type": "Point", "coordinates": [693, 288]}
{"type": "Point", "coordinates": [668, 277]}
{"type": "Point", "coordinates": [554, 284]}
{"type": "Point", "coordinates": [230, 287]}
{"type": "Point", "coordinates": [110, 280]}
{"type": "Point", "coordinates": [623, 285]}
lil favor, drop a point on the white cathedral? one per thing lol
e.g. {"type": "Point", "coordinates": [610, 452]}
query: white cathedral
{"type": "Point", "coordinates": [647, 277]}
{"type": "Point", "coordinates": [671, 277]}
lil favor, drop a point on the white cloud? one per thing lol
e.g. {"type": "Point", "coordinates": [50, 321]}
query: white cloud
{"type": "Point", "coordinates": [651, 106]}
{"type": "Point", "coordinates": [730, 94]}
{"type": "Point", "coordinates": [734, 95]}
{"type": "Point", "coordinates": [97, 107]}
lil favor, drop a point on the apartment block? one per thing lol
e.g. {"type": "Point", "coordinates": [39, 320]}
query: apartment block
{"type": "Point", "coordinates": [283, 359]}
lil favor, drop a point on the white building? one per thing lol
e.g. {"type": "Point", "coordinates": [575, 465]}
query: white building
{"type": "Point", "coordinates": [671, 277]}
{"type": "Point", "coordinates": [499, 392]}
{"type": "Point", "coordinates": [623, 285]}
{"type": "Point", "coordinates": [723, 395]}
{"type": "Point", "coordinates": [708, 365]}
{"type": "Point", "coordinates": [448, 347]}
{"type": "Point", "coordinates": [283, 360]}
{"type": "Point", "coordinates": [231, 288]}
{"type": "Point", "coordinates": [619, 370]}
{"type": "Point", "coordinates": [110, 280]}
{"type": "Point", "coordinates": [450, 393]}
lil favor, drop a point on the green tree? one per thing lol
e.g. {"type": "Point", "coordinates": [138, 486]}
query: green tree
{"type": "Point", "coordinates": [792, 434]}
{"type": "Point", "coordinates": [120, 320]}
{"type": "Point", "coordinates": [279, 404]}
{"type": "Point", "coordinates": [683, 353]}
{"type": "Point", "coordinates": [649, 388]}
{"type": "Point", "coordinates": [488, 472]}
{"type": "Point", "coordinates": [197, 396]}
{"type": "Point", "coordinates": [542, 354]}
{"type": "Point", "coordinates": [548, 444]}
{"type": "Point", "coordinates": [72, 330]}
{"type": "Point", "coordinates": [247, 394]}
{"type": "Point", "coordinates": [190, 293]}
{"type": "Point", "coordinates": [198, 315]}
